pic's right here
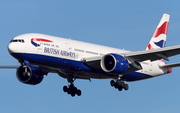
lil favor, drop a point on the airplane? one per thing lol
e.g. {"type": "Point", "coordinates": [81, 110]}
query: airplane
{"type": "Point", "coordinates": [40, 54]}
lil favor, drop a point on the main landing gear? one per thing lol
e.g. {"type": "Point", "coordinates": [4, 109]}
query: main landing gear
{"type": "Point", "coordinates": [118, 84]}
{"type": "Point", "coordinates": [71, 89]}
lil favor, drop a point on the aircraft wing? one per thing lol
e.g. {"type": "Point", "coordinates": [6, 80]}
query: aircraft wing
{"type": "Point", "coordinates": [154, 54]}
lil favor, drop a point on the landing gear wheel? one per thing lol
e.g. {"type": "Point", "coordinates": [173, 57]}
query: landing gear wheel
{"type": "Point", "coordinates": [78, 92]}
{"type": "Point", "coordinates": [72, 94]}
{"type": "Point", "coordinates": [116, 85]}
{"type": "Point", "coordinates": [126, 87]}
{"type": "Point", "coordinates": [120, 88]}
{"type": "Point", "coordinates": [68, 91]}
{"type": "Point", "coordinates": [112, 82]}
{"type": "Point", "coordinates": [65, 88]}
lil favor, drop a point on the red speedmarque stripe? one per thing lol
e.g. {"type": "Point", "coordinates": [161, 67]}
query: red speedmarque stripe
{"type": "Point", "coordinates": [40, 39]}
{"type": "Point", "coordinates": [150, 47]}
{"type": "Point", "coordinates": [161, 30]}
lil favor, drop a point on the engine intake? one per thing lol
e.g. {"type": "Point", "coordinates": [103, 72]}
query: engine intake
{"type": "Point", "coordinates": [29, 74]}
{"type": "Point", "coordinates": [114, 63]}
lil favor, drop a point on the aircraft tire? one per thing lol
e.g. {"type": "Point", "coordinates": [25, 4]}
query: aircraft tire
{"type": "Point", "coordinates": [120, 83]}
{"type": "Point", "coordinates": [65, 88]}
{"type": "Point", "coordinates": [68, 92]}
{"type": "Point", "coordinates": [78, 92]}
{"type": "Point", "coordinates": [120, 88]}
{"type": "Point", "coordinates": [112, 83]}
{"type": "Point", "coordinates": [126, 87]}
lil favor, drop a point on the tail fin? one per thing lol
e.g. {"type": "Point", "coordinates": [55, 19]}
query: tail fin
{"type": "Point", "coordinates": [158, 39]}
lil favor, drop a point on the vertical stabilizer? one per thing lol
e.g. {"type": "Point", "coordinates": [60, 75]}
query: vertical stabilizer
{"type": "Point", "coordinates": [158, 39]}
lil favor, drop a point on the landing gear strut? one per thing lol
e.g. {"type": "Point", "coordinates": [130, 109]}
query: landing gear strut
{"type": "Point", "coordinates": [71, 89]}
{"type": "Point", "coordinates": [118, 84]}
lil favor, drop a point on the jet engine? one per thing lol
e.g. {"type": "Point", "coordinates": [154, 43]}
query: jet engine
{"type": "Point", "coordinates": [114, 63]}
{"type": "Point", "coordinates": [29, 74]}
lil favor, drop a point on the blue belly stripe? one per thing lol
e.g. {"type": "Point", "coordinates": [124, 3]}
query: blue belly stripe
{"type": "Point", "coordinates": [73, 65]}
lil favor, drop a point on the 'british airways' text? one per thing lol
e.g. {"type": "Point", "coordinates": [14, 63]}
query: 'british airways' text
{"type": "Point", "coordinates": [59, 52]}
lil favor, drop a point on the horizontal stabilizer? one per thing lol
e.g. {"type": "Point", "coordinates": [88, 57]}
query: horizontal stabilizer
{"type": "Point", "coordinates": [9, 66]}
{"type": "Point", "coordinates": [171, 65]}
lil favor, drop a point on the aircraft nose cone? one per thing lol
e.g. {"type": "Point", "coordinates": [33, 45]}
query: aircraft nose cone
{"type": "Point", "coordinates": [14, 49]}
{"type": "Point", "coordinates": [11, 48]}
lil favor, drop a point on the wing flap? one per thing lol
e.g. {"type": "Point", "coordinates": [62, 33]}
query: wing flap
{"type": "Point", "coordinates": [93, 62]}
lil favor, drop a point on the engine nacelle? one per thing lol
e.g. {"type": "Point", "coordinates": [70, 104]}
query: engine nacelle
{"type": "Point", "coordinates": [114, 63]}
{"type": "Point", "coordinates": [29, 74]}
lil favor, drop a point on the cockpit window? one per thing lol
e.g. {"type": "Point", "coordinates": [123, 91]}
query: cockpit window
{"type": "Point", "coordinates": [18, 40]}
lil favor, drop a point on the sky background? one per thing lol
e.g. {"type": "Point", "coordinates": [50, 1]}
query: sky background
{"type": "Point", "coordinates": [116, 23]}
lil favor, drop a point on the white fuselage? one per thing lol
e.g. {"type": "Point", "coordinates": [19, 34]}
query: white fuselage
{"type": "Point", "coordinates": [67, 50]}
